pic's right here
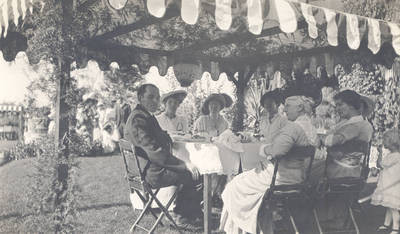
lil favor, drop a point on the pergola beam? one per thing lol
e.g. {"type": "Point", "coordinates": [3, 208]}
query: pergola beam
{"type": "Point", "coordinates": [254, 59]}
{"type": "Point", "coordinates": [234, 38]}
{"type": "Point", "coordinates": [225, 40]}
{"type": "Point", "coordinates": [142, 23]}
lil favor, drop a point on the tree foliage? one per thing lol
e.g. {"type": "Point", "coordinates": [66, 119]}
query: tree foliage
{"type": "Point", "coordinates": [121, 83]}
{"type": "Point", "coordinates": [379, 9]}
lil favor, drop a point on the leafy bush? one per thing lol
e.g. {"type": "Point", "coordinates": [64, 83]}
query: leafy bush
{"type": "Point", "coordinates": [22, 151]}
{"type": "Point", "coordinates": [53, 200]}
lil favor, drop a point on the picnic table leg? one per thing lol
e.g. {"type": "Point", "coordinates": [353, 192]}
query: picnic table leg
{"type": "Point", "coordinates": [207, 203]}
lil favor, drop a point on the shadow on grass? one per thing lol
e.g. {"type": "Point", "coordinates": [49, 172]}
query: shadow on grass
{"type": "Point", "coordinates": [94, 207]}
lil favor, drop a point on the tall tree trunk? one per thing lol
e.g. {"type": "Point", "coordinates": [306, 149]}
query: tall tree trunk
{"type": "Point", "coordinates": [62, 118]}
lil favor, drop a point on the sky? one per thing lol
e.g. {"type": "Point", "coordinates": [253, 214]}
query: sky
{"type": "Point", "coordinates": [15, 76]}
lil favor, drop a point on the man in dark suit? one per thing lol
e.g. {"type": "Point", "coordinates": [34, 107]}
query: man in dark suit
{"type": "Point", "coordinates": [163, 168]}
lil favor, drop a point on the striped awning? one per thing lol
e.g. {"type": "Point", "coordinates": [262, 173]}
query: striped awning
{"type": "Point", "coordinates": [288, 13]}
{"type": "Point", "coordinates": [10, 108]}
{"type": "Point", "coordinates": [335, 28]}
{"type": "Point", "coordinates": [11, 10]}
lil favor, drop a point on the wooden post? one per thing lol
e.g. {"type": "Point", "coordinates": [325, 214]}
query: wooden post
{"type": "Point", "coordinates": [207, 203]}
{"type": "Point", "coordinates": [62, 118]}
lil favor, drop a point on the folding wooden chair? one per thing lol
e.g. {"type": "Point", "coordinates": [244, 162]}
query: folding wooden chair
{"type": "Point", "coordinates": [347, 187]}
{"type": "Point", "coordinates": [138, 185]}
{"type": "Point", "coordinates": [289, 194]}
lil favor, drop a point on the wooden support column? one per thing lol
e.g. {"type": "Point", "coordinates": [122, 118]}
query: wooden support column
{"type": "Point", "coordinates": [62, 117]}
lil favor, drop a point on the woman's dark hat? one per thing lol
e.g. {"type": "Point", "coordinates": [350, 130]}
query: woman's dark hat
{"type": "Point", "coordinates": [310, 90]}
{"type": "Point", "coordinates": [224, 99]}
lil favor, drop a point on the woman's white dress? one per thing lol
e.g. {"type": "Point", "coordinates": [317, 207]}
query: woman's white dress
{"type": "Point", "coordinates": [206, 127]}
{"type": "Point", "coordinates": [174, 125]}
{"type": "Point", "coordinates": [244, 194]}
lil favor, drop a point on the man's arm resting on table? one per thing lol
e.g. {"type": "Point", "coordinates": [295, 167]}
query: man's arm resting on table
{"type": "Point", "coordinates": [165, 159]}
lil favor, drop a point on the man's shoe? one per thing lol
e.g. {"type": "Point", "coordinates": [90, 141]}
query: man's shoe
{"type": "Point", "coordinates": [189, 226]}
{"type": "Point", "coordinates": [185, 223]}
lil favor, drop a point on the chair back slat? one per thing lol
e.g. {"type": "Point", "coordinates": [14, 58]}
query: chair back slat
{"type": "Point", "coordinates": [299, 152]}
{"type": "Point", "coordinates": [133, 163]}
{"type": "Point", "coordinates": [365, 149]}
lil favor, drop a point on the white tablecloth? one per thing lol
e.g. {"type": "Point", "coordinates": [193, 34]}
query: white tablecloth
{"type": "Point", "coordinates": [217, 158]}
{"type": "Point", "coordinates": [209, 158]}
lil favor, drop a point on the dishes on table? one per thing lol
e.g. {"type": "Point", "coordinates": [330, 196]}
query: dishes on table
{"type": "Point", "coordinates": [188, 138]}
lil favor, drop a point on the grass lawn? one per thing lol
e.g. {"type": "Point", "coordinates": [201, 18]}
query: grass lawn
{"type": "Point", "coordinates": [105, 207]}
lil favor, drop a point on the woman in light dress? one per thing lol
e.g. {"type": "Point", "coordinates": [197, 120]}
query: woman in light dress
{"type": "Point", "coordinates": [273, 121]}
{"type": "Point", "coordinates": [171, 122]}
{"type": "Point", "coordinates": [174, 125]}
{"type": "Point", "coordinates": [108, 132]}
{"type": "Point", "coordinates": [243, 196]}
{"type": "Point", "coordinates": [212, 124]}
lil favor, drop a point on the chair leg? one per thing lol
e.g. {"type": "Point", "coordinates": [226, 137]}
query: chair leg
{"type": "Point", "coordinates": [141, 215]}
{"type": "Point", "coordinates": [354, 220]}
{"type": "Point", "coordinates": [292, 221]}
{"type": "Point", "coordinates": [151, 211]}
{"type": "Point", "coordinates": [317, 221]}
{"type": "Point", "coordinates": [164, 211]}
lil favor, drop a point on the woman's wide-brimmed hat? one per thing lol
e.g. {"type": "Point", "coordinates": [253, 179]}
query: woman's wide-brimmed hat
{"type": "Point", "coordinates": [309, 90]}
{"type": "Point", "coordinates": [180, 95]}
{"type": "Point", "coordinates": [90, 97]}
{"type": "Point", "coordinates": [224, 99]}
{"type": "Point", "coordinates": [369, 105]}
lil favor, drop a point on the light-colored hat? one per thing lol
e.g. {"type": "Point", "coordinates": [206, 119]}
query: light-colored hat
{"type": "Point", "coordinates": [180, 95]}
{"type": "Point", "coordinates": [369, 107]}
{"type": "Point", "coordinates": [100, 103]}
{"type": "Point", "coordinates": [89, 96]}
{"type": "Point", "coordinates": [224, 99]}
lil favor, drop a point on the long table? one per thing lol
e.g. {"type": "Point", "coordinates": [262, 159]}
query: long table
{"type": "Point", "coordinates": [215, 158]}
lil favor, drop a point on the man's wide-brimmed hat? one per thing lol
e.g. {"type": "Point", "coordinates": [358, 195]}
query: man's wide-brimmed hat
{"type": "Point", "coordinates": [224, 99]}
{"type": "Point", "coordinates": [369, 105]}
{"type": "Point", "coordinates": [180, 95]}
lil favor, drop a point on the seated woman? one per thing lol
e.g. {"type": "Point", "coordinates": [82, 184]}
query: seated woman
{"type": "Point", "coordinates": [347, 141]}
{"type": "Point", "coordinates": [173, 124]}
{"type": "Point", "coordinates": [243, 196]}
{"type": "Point", "coordinates": [169, 120]}
{"type": "Point", "coordinates": [272, 123]}
{"type": "Point", "coordinates": [212, 124]}
{"type": "Point", "coordinates": [346, 147]}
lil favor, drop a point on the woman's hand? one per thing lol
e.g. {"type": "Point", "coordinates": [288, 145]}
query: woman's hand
{"type": "Point", "coordinates": [193, 170]}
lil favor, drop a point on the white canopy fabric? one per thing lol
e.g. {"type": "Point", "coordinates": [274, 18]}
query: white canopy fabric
{"type": "Point", "coordinates": [278, 27]}
{"type": "Point", "coordinates": [287, 13]}
{"type": "Point", "coordinates": [11, 10]}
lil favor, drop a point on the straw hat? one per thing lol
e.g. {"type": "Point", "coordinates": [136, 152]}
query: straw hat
{"type": "Point", "coordinates": [224, 99]}
{"type": "Point", "coordinates": [180, 95]}
{"type": "Point", "coordinates": [89, 97]}
{"type": "Point", "coordinates": [369, 104]}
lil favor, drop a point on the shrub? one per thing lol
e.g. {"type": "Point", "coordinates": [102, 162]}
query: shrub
{"type": "Point", "coordinates": [22, 151]}
{"type": "Point", "coordinates": [52, 200]}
